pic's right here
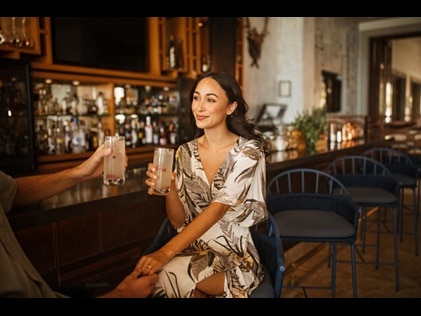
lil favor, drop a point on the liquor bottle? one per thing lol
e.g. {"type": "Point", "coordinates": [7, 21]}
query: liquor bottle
{"type": "Point", "coordinates": [93, 136]}
{"type": "Point", "coordinates": [141, 134]}
{"type": "Point", "coordinates": [134, 133]}
{"type": "Point", "coordinates": [100, 103]}
{"type": "Point", "coordinates": [128, 134]}
{"type": "Point", "coordinates": [51, 131]}
{"type": "Point", "coordinates": [148, 131]}
{"type": "Point", "coordinates": [67, 137]}
{"type": "Point", "coordinates": [78, 137]}
{"type": "Point", "coordinates": [206, 63]}
{"type": "Point", "coordinates": [155, 133]}
{"type": "Point", "coordinates": [171, 54]}
{"type": "Point", "coordinates": [101, 133]}
{"type": "Point", "coordinates": [66, 103]}
{"type": "Point", "coordinates": [162, 135]}
{"type": "Point", "coordinates": [42, 140]}
{"type": "Point", "coordinates": [92, 107]}
{"type": "Point", "coordinates": [172, 131]}
{"type": "Point", "coordinates": [179, 54]}
{"type": "Point", "coordinates": [59, 138]}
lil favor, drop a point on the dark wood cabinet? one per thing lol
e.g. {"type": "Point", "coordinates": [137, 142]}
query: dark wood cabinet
{"type": "Point", "coordinates": [223, 30]}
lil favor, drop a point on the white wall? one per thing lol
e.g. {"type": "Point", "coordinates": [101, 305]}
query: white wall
{"type": "Point", "coordinates": [406, 57]}
{"type": "Point", "coordinates": [281, 59]}
{"type": "Point", "coordinates": [298, 48]}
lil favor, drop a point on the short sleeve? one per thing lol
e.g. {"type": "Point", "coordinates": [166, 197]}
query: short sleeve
{"type": "Point", "coordinates": [242, 184]}
{"type": "Point", "coordinates": [8, 187]}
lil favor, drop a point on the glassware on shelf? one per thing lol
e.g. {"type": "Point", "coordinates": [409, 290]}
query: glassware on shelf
{"type": "Point", "coordinates": [26, 41]}
{"type": "Point", "coordinates": [15, 32]}
{"type": "Point", "coordinates": [3, 37]}
{"type": "Point", "coordinates": [15, 36]}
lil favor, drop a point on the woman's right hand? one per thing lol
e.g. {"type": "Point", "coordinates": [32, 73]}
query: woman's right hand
{"type": "Point", "coordinates": [151, 178]}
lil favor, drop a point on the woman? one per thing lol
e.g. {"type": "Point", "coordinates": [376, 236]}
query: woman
{"type": "Point", "coordinates": [217, 193]}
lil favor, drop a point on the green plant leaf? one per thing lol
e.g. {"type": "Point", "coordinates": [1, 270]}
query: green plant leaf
{"type": "Point", "coordinates": [311, 125]}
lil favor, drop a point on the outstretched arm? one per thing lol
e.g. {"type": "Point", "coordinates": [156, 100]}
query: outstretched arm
{"type": "Point", "coordinates": [32, 189]}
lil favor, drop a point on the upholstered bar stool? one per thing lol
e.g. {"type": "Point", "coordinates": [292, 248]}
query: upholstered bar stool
{"type": "Point", "coordinates": [371, 187]}
{"type": "Point", "coordinates": [268, 243]}
{"type": "Point", "coordinates": [414, 153]}
{"type": "Point", "coordinates": [404, 170]}
{"type": "Point", "coordinates": [311, 206]}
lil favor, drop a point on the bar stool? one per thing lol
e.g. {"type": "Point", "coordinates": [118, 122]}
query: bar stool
{"type": "Point", "coordinates": [414, 153]}
{"type": "Point", "coordinates": [370, 186]}
{"type": "Point", "coordinates": [404, 170]}
{"type": "Point", "coordinates": [312, 206]}
{"type": "Point", "coordinates": [267, 240]}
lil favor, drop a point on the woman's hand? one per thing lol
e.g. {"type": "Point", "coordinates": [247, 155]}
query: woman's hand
{"type": "Point", "coordinates": [151, 263]}
{"type": "Point", "coordinates": [151, 180]}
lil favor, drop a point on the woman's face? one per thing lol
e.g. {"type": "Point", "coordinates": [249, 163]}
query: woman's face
{"type": "Point", "coordinates": [210, 104]}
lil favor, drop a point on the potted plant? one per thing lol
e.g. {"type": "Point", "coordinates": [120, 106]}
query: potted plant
{"type": "Point", "coordinates": [311, 125]}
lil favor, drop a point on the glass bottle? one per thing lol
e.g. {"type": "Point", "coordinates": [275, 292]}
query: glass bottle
{"type": "Point", "coordinates": [179, 54]}
{"type": "Point", "coordinates": [60, 146]}
{"type": "Point", "coordinates": [100, 103]}
{"type": "Point", "coordinates": [141, 134]}
{"type": "Point", "coordinates": [27, 40]}
{"type": "Point", "coordinates": [171, 54]}
{"type": "Point", "coordinates": [148, 131]}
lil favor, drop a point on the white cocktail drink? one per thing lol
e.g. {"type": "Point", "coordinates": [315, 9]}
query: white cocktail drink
{"type": "Point", "coordinates": [114, 164]}
{"type": "Point", "coordinates": [163, 159]}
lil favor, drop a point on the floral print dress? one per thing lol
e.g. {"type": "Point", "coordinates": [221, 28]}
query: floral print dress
{"type": "Point", "coordinates": [227, 246]}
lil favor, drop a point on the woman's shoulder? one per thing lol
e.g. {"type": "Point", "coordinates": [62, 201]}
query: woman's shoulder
{"type": "Point", "coordinates": [249, 143]}
{"type": "Point", "coordinates": [189, 144]}
{"type": "Point", "coordinates": [188, 147]}
{"type": "Point", "coordinates": [251, 147]}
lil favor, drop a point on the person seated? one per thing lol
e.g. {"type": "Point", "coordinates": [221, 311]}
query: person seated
{"type": "Point", "coordinates": [19, 278]}
{"type": "Point", "coordinates": [217, 193]}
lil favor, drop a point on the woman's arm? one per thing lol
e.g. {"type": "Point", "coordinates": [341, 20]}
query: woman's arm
{"type": "Point", "coordinates": [154, 261]}
{"type": "Point", "coordinates": [173, 205]}
{"type": "Point", "coordinates": [196, 228]}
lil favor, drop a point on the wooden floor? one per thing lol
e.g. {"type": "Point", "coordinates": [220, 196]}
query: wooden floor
{"type": "Point", "coordinates": [312, 268]}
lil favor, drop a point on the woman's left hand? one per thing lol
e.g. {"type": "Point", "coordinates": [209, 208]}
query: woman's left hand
{"type": "Point", "coordinates": [151, 263]}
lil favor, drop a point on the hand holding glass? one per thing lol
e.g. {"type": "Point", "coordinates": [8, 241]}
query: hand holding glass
{"type": "Point", "coordinates": [115, 163]}
{"type": "Point", "coordinates": [163, 160]}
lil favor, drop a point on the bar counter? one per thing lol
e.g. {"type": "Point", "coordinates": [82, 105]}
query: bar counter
{"type": "Point", "coordinates": [96, 233]}
{"type": "Point", "coordinates": [79, 199]}
{"type": "Point", "coordinates": [318, 159]}
{"type": "Point", "coordinates": [91, 233]}
{"type": "Point", "coordinates": [93, 192]}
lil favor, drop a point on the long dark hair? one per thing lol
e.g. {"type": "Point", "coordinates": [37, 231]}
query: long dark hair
{"type": "Point", "coordinates": [237, 122]}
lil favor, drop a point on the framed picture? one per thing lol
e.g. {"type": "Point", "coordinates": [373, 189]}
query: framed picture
{"type": "Point", "coordinates": [271, 112]}
{"type": "Point", "coordinates": [284, 88]}
{"type": "Point", "coordinates": [271, 116]}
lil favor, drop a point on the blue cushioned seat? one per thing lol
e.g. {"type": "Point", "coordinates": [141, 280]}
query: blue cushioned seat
{"type": "Point", "coordinates": [371, 186]}
{"type": "Point", "coordinates": [312, 206]}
